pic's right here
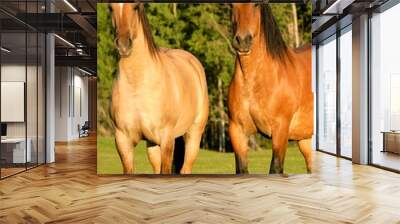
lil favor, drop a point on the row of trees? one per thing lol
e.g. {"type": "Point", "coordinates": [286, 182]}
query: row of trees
{"type": "Point", "coordinates": [205, 31]}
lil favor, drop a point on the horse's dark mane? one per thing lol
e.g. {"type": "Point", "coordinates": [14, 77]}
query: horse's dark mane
{"type": "Point", "coordinates": [274, 42]}
{"type": "Point", "coordinates": [153, 48]}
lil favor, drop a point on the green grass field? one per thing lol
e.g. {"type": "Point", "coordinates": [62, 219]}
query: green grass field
{"type": "Point", "coordinates": [207, 162]}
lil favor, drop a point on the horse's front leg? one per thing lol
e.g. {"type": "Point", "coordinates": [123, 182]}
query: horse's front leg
{"type": "Point", "coordinates": [240, 146]}
{"type": "Point", "coordinates": [280, 133]}
{"type": "Point", "coordinates": [125, 145]}
{"type": "Point", "coordinates": [167, 153]}
{"type": "Point", "coordinates": [154, 155]}
{"type": "Point", "coordinates": [192, 147]}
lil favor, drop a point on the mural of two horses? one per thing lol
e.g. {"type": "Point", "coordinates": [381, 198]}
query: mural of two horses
{"type": "Point", "coordinates": [160, 94]}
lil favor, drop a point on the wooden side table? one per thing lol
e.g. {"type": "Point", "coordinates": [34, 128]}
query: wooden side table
{"type": "Point", "coordinates": [391, 141]}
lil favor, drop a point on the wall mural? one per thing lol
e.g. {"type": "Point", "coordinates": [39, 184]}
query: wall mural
{"type": "Point", "coordinates": [204, 88]}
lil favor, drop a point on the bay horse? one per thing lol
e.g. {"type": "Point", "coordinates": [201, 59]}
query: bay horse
{"type": "Point", "coordinates": [270, 91]}
{"type": "Point", "coordinates": [160, 94]}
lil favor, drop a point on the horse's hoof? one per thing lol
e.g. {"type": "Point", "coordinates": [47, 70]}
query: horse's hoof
{"type": "Point", "coordinates": [285, 175]}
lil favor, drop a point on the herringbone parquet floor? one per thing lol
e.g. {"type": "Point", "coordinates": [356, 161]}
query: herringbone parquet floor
{"type": "Point", "coordinates": [69, 191]}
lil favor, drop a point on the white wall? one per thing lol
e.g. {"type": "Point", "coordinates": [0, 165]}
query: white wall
{"type": "Point", "coordinates": [62, 81]}
{"type": "Point", "coordinates": [50, 99]}
{"type": "Point", "coordinates": [360, 89]}
{"type": "Point", "coordinates": [385, 76]}
{"type": "Point", "coordinates": [346, 74]}
{"type": "Point", "coordinates": [327, 95]}
{"type": "Point", "coordinates": [80, 109]}
{"type": "Point", "coordinates": [15, 73]}
{"type": "Point", "coordinates": [314, 89]}
{"type": "Point", "coordinates": [33, 126]}
{"type": "Point", "coordinates": [12, 73]}
{"type": "Point", "coordinates": [71, 87]}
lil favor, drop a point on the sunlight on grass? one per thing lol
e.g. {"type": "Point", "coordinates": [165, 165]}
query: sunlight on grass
{"type": "Point", "coordinates": [208, 162]}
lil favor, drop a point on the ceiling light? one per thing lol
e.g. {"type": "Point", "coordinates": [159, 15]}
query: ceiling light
{"type": "Point", "coordinates": [337, 7]}
{"type": "Point", "coordinates": [80, 51]}
{"type": "Point", "coordinates": [5, 50]}
{"type": "Point", "coordinates": [84, 71]}
{"type": "Point", "coordinates": [70, 5]}
{"type": "Point", "coordinates": [65, 41]}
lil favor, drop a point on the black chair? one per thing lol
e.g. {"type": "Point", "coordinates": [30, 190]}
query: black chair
{"type": "Point", "coordinates": [84, 130]}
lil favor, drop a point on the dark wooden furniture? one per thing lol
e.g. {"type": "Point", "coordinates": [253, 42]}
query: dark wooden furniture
{"type": "Point", "coordinates": [391, 141]}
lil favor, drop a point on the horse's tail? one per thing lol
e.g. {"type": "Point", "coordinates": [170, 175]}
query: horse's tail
{"type": "Point", "coordinates": [179, 155]}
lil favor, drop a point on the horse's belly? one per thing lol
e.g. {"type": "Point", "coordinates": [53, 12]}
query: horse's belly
{"type": "Point", "coordinates": [155, 123]}
{"type": "Point", "coordinates": [301, 126]}
{"type": "Point", "coordinates": [188, 107]}
{"type": "Point", "coordinates": [187, 117]}
{"type": "Point", "coordinates": [182, 126]}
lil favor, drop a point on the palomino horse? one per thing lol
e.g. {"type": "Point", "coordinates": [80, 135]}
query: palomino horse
{"type": "Point", "coordinates": [271, 88]}
{"type": "Point", "coordinates": [159, 95]}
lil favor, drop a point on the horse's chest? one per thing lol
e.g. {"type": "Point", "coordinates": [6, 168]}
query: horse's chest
{"type": "Point", "coordinates": [135, 112]}
{"type": "Point", "coordinates": [260, 117]}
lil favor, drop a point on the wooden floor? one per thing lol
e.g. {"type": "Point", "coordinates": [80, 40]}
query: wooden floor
{"type": "Point", "coordinates": [387, 159]}
{"type": "Point", "coordinates": [11, 170]}
{"type": "Point", "coordinates": [69, 191]}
